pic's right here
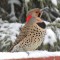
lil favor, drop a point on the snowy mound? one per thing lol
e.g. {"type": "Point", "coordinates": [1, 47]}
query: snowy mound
{"type": "Point", "coordinates": [8, 34]}
{"type": "Point", "coordinates": [10, 30]}
{"type": "Point", "coordinates": [50, 37]}
{"type": "Point", "coordinates": [32, 54]}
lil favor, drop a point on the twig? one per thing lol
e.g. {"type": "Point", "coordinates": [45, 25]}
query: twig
{"type": "Point", "coordinates": [54, 24]}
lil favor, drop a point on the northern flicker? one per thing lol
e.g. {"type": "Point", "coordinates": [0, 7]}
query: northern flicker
{"type": "Point", "coordinates": [32, 34]}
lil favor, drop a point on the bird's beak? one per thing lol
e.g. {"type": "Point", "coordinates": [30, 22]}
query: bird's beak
{"type": "Point", "coordinates": [42, 10]}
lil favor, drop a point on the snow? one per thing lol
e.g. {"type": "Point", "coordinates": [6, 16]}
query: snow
{"type": "Point", "coordinates": [9, 29]}
{"type": "Point", "coordinates": [32, 54]}
{"type": "Point", "coordinates": [57, 19]}
{"type": "Point", "coordinates": [54, 2]}
{"type": "Point", "coordinates": [1, 21]}
{"type": "Point", "coordinates": [50, 37]}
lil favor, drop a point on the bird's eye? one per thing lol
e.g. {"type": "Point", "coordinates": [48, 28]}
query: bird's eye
{"type": "Point", "coordinates": [36, 12]}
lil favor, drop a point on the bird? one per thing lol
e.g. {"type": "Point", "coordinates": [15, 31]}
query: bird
{"type": "Point", "coordinates": [32, 33]}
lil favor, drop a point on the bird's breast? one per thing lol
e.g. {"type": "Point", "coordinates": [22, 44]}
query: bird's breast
{"type": "Point", "coordinates": [34, 38]}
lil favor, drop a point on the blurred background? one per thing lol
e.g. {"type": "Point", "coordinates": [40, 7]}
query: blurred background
{"type": "Point", "coordinates": [13, 15]}
{"type": "Point", "coordinates": [15, 10]}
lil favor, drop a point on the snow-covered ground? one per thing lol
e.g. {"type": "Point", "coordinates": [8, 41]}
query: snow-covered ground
{"type": "Point", "coordinates": [50, 37]}
{"type": "Point", "coordinates": [54, 2]}
{"type": "Point", "coordinates": [32, 54]}
{"type": "Point", "coordinates": [8, 34]}
{"type": "Point", "coordinates": [9, 29]}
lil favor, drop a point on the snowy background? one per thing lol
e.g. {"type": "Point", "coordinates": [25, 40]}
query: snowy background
{"type": "Point", "coordinates": [10, 28]}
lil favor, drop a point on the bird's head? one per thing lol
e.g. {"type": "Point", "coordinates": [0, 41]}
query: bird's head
{"type": "Point", "coordinates": [33, 13]}
{"type": "Point", "coordinates": [33, 16]}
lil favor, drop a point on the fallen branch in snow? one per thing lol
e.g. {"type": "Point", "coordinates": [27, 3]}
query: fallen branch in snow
{"type": "Point", "coordinates": [55, 23]}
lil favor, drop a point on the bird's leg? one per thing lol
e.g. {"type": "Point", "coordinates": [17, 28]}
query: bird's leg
{"type": "Point", "coordinates": [26, 51]}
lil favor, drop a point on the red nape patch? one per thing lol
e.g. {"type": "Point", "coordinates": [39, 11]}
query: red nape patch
{"type": "Point", "coordinates": [28, 18]}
